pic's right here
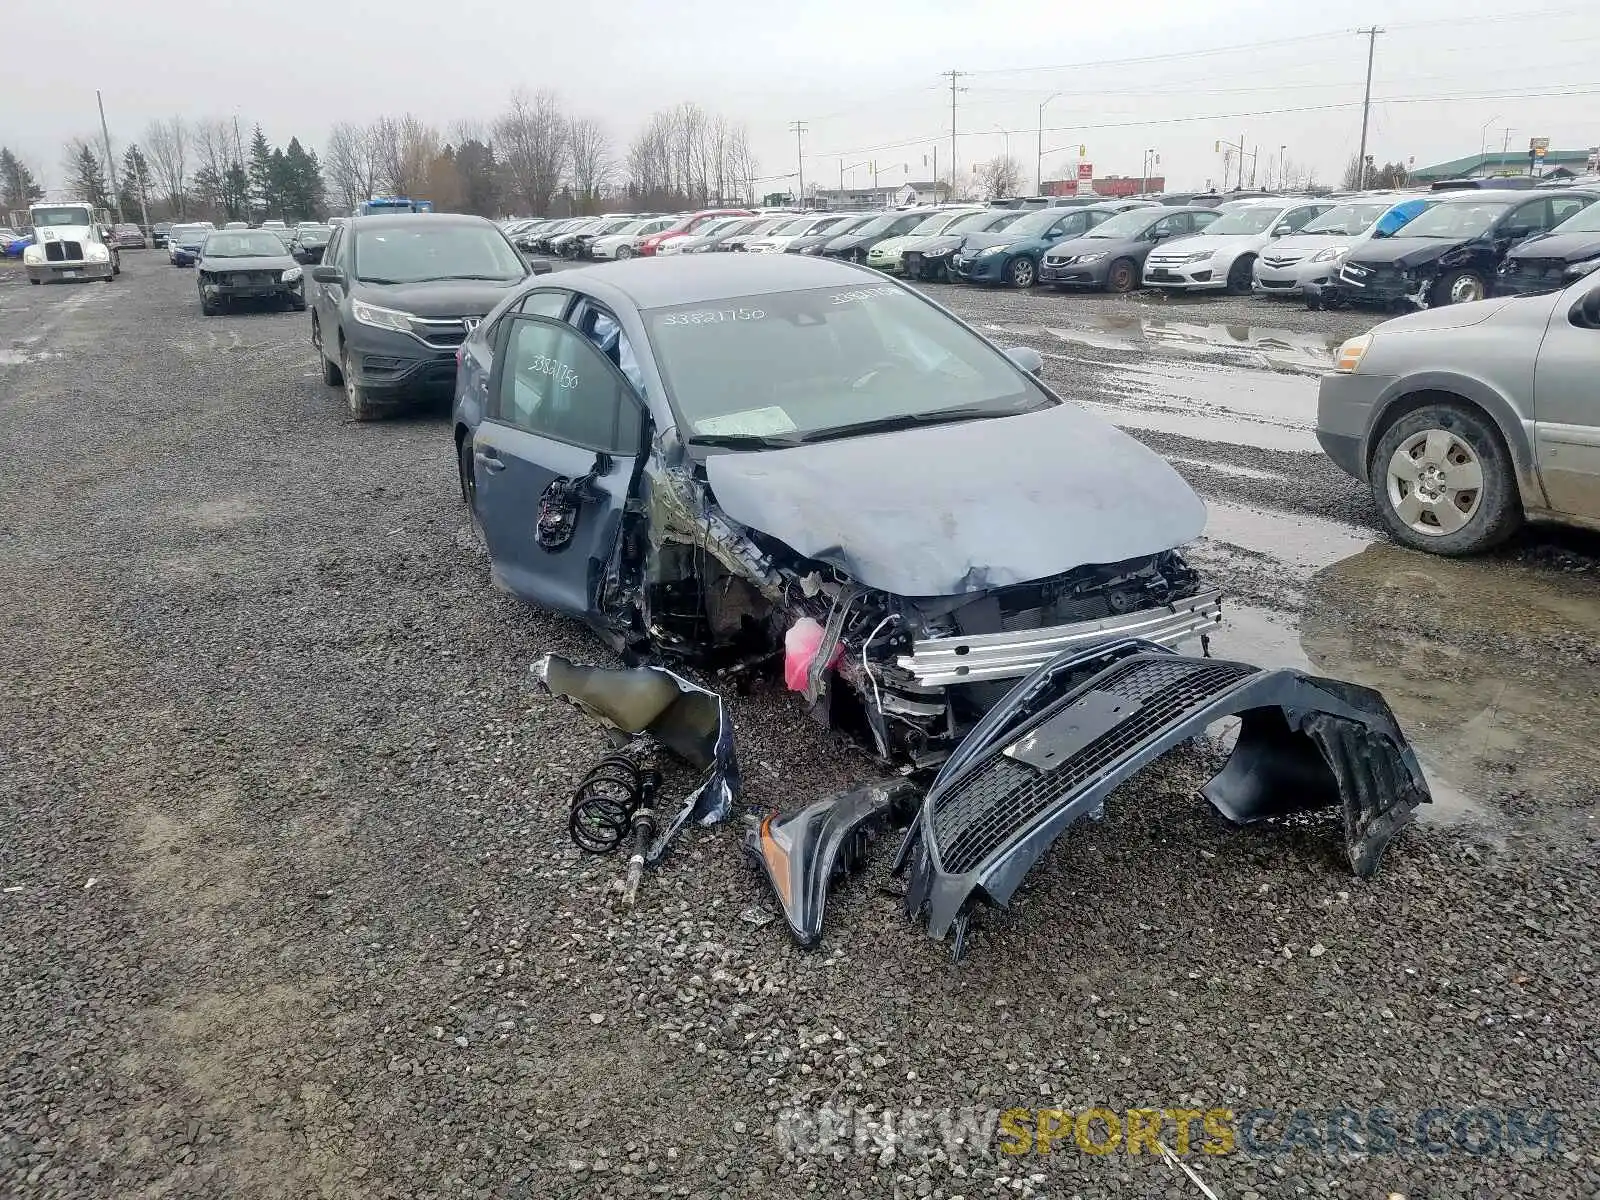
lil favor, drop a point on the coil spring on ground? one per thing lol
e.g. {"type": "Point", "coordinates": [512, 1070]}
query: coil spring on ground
{"type": "Point", "coordinates": [605, 801]}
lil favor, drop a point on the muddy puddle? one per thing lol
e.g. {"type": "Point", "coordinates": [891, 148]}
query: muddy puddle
{"type": "Point", "coordinates": [1294, 539]}
{"type": "Point", "coordinates": [1210, 403]}
{"type": "Point", "coordinates": [1258, 346]}
{"type": "Point", "coordinates": [1489, 667]}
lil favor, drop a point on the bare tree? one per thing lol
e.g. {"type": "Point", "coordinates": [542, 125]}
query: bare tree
{"type": "Point", "coordinates": [168, 143]}
{"type": "Point", "coordinates": [742, 164]}
{"type": "Point", "coordinates": [404, 150]}
{"type": "Point", "coordinates": [350, 165]}
{"type": "Point", "coordinates": [592, 165]}
{"type": "Point", "coordinates": [531, 138]}
{"type": "Point", "coordinates": [1000, 176]}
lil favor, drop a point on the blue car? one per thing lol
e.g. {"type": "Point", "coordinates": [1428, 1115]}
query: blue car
{"type": "Point", "coordinates": [1012, 255]}
{"type": "Point", "coordinates": [184, 242]}
{"type": "Point", "coordinates": [12, 243]}
{"type": "Point", "coordinates": [749, 461]}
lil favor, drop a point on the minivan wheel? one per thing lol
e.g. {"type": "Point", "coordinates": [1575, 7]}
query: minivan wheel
{"type": "Point", "coordinates": [1443, 481]}
{"type": "Point", "coordinates": [1020, 274]}
{"type": "Point", "coordinates": [1459, 287]}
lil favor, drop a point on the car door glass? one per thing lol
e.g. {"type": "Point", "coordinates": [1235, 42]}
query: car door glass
{"type": "Point", "coordinates": [553, 381]}
{"type": "Point", "coordinates": [1201, 219]}
{"type": "Point", "coordinates": [1562, 207]}
{"type": "Point", "coordinates": [1526, 220]}
{"type": "Point", "coordinates": [1164, 228]}
{"type": "Point", "coordinates": [605, 331]}
{"type": "Point", "coordinates": [1302, 217]}
{"type": "Point", "coordinates": [543, 303]}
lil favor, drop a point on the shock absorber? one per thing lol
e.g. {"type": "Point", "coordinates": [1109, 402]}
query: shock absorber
{"type": "Point", "coordinates": [606, 801]}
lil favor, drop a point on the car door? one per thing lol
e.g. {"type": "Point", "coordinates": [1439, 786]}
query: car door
{"type": "Point", "coordinates": [323, 302]}
{"type": "Point", "coordinates": [477, 352]}
{"type": "Point", "coordinates": [1566, 404]}
{"type": "Point", "coordinates": [554, 459]}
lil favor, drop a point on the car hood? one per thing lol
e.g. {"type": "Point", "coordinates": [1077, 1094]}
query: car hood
{"type": "Point", "coordinates": [438, 297]}
{"type": "Point", "coordinates": [1568, 247]}
{"type": "Point", "coordinates": [1450, 316]}
{"type": "Point", "coordinates": [1199, 243]}
{"type": "Point", "coordinates": [853, 241]}
{"type": "Point", "coordinates": [1403, 252]}
{"type": "Point", "coordinates": [1311, 243]}
{"type": "Point", "coordinates": [258, 262]}
{"type": "Point", "coordinates": [616, 239]}
{"type": "Point", "coordinates": [892, 245]}
{"type": "Point", "coordinates": [982, 241]}
{"type": "Point", "coordinates": [951, 509]}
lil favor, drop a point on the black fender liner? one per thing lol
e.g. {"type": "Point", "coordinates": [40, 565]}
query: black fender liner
{"type": "Point", "coordinates": [1053, 750]}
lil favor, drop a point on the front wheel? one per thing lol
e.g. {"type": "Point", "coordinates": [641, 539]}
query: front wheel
{"type": "Point", "coordinates": [1020, 272]}
{"type": "Point", "coordinates": [208, 306]}
{"type": "Point", "coordinates": [1122, 277]}
{"type": "Point", "coordinates": [1239, 275]}
{"type": "Point", "coordinates": [1443, 481]}
{"type": "Point", "coordinates": [624, 251]}
{"type": "Point", "coordinates": [1459, 287]}
{"type": "Point", "coordinates": [361, 408]}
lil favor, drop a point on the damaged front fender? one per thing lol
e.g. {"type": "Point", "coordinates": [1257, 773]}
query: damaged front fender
{"type": "Point", "coordinates": [1053, 750]}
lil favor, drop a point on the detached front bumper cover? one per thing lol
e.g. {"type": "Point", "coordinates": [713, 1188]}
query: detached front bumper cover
{"type": "Point", "coordinates": [1089, 719]}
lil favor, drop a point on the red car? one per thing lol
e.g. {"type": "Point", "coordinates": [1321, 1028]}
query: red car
{"type": "Point", "coordinates": [686, 225]}
{"type": "Point", "coordinates": [127, 237]}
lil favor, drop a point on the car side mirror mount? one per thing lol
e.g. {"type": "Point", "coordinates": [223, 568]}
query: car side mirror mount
{"type": "Point", "coordinates": [1026, 357]}
{"type": "Point", "coordinates": [1586, 312]}
{"type": "Point", "coordinates": [327, 275]}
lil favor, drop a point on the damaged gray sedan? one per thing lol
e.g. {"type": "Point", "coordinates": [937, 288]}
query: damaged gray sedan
{"type": "Point", "coordinates": [779, 463]}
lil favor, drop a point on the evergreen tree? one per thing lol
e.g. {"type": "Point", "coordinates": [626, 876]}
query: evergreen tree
{"type": "Point", "coordinates": [18, 188]}
{"type": "Point", "coordinates": [259, 195]}
{"type": "Point", "coordinates": [298, 182]}
{"type": "Point", "coordinates": [236, 193]}
{"type": "Point", "coordinates": [87, 178]}
{"type": "Point", "coordinates": [478, 174]}
{"type": "Point", "coordinates": [135, 182]}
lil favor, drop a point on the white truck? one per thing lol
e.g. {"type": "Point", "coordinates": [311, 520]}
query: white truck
{"type": "Point", "coordinates": [68, 244]}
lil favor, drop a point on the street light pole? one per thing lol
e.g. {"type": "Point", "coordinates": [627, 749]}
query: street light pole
{"type": "Point", "coordinates": [1038, 165]}
{"type": "Point", "coordinates": [1483, 142]}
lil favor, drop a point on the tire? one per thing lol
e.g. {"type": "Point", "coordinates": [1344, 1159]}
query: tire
{"type": "Point", "coordinates": [1239, 275]}
{"type": "Point", "coordinates": [465, 474]}
{"type": "Point", "coordinates": [361, 408]}
{"type": "Point", "coordinates": [624, 252]}
{"type": "Point", "coordinates": [1458, 287]}
{"type": "Point", "coordinates": [1021, 273]}
{"type": "Point", "coordinates": [1122, 276]}
{"type": "Point", "coordinates": [1424, 468]}
{"type": "Point", "coordinates": [36, 282]}
{"type": "Point", "coordinates": [208, 308]}
{"type": "Point", "coordinates": [330, 369]}
{"type": "Point", "coordinates": [116, 266]}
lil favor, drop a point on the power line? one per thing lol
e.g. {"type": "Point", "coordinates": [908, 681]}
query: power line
{"type": "Point", "coordinates": [1564, 90]}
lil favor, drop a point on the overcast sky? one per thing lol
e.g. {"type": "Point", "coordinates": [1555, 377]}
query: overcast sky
{"type": "Point", "coordinates": [865, 76]}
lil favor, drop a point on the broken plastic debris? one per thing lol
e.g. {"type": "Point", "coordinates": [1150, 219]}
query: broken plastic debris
{"type": "Point", "coordinates": [687, 719]}
{"type": "Point", "coordinates": [800, 647]}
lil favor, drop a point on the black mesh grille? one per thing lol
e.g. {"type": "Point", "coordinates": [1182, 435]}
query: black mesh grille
{"type": "Point", "coordinates": [63, 251]}
{"type": "Point", "coordinates": [1004, 796]}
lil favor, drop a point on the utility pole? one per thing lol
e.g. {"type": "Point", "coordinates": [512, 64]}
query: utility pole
{"type": "Point", "coordinates": [1366, 107]}
{"type": "Point", "coordinates": [954, 75]}
{"type": "Point", "coordinates": [1038, 163]}
{"type": "Point", "coordinates": [111, 166]}
{"type": "Point", "coordinates": [799, 128]}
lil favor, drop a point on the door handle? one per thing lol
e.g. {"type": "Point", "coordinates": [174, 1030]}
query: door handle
{"type": "Point", "coordinates": [489, 459]}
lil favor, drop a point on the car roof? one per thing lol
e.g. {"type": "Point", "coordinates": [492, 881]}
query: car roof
{"type": "Point", "coordinates": [419, 220]}
{"type": "Point", "coordinates": [1480, 195]}
{"type": "Point", "coordinates": [701, 279]}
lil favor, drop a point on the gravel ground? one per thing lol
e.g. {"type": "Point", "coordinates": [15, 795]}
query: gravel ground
{"type": "Point", "coordinates": [289, 910]}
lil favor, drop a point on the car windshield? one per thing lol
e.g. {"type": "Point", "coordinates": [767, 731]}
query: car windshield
{"type": "Point", "coordinates": [631, 227]}
{"type": "Point", "coordinates": [246, 243]}
{"type": "Point", "coordinates": [321, 231]}
{"type": "Point", "coordinates": [67, 214]}
{"type": "Point", "coordinates": [790, 364]}
{"type": "Point", "coordinates": [1349, 220]}
{"type": "Point", "coordinates": [933, 224]}
{"type": "Point", "coordinates": [847, 225]}
{"type": "Point", "coordinates": [1586, 220]}
{"type": "Point", "coordinates": [1456, 220]}
{"type": "Point", "coordinates": [427, 250]}
{"type": "Point", "coordinates": [794, 228]}
{"type": "Point", "coordinates": [1125, 224]}
{"type": "Point", "coordinates": [982, 220]}
{"type": "Point", "coordinates": [1257, 219]}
